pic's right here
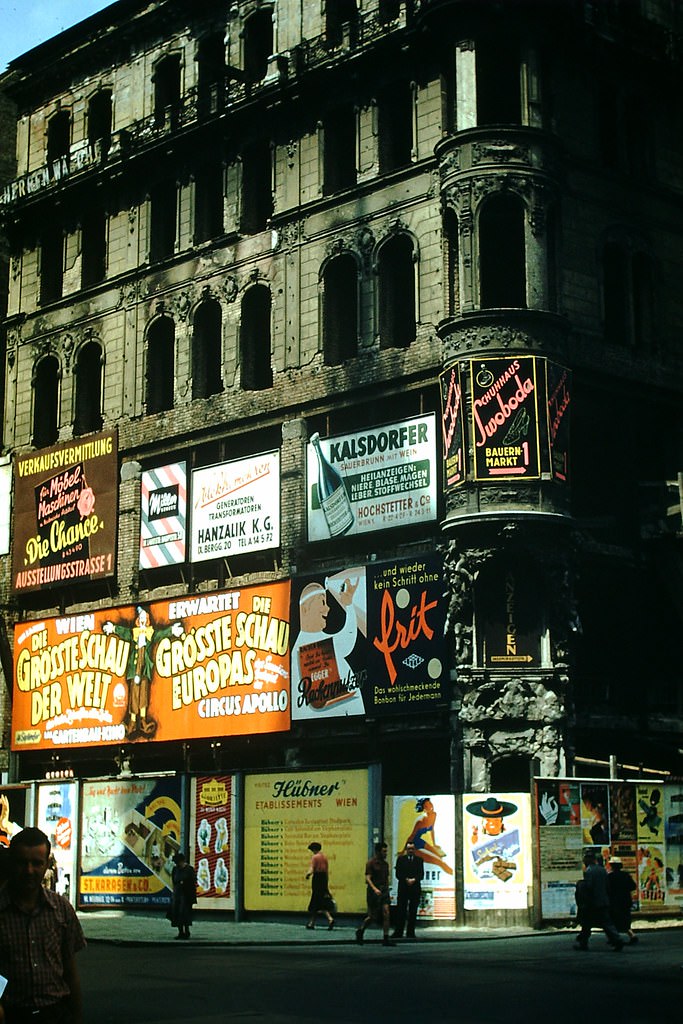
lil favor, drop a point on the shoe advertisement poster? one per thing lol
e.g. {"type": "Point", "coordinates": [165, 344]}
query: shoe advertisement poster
{"type": "Point", "coordinates": [130, 832]}
{"type": "Point", "coordinates": [429, 823]}
{"type": "Point", "coordinates": [497, 851]}
{"type": "Point", "coordinates": [212, 825]}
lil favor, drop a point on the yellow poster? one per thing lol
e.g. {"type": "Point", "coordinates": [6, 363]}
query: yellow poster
{"type": "Point", "coordinates": [283, 813]}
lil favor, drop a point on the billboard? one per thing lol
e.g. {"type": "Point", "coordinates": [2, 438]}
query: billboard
{"type": "Point", "coordinates": [428, 822]}
{"type": "Point", "coordinates": [206, 665]}
{"type": "Point", "coordinates": [283, 813]}
{"type": "Point", "coordinates": [369, 639]}
{"type": "Point", "coordinates": [163, 516]}
{"type": "Point", "coordinates": [130, 832]}
{"type": "Point", "coordinates": [236, 507]}
{"type": "Point", "coordinates": [65, 512]}
{"type": "Point", "coordinates": [453, 427]}
{"type": "Point", "coordinates": [375, 479]}
{"type": "Point", "coordinates": [496, 851]}
{"type": "Point", "coordinates": [212, 846]}
{"type": "Point", "coordinates": [505, 418]}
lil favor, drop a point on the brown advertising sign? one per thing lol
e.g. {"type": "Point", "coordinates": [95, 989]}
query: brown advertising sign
{"type": "Point", "coordinates": [505, 418]}
{"type": "Point", "coordinates": [65, 511]}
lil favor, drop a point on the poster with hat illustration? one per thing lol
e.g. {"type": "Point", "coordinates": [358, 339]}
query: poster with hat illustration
{"type": "Point", "coordinates": [497, 851]}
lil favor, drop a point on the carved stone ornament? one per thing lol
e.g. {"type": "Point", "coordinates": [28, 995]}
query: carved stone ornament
{"type": "Point", "coordinates": [68, 349]}
{"type": "Point", "coordinates": [229, 288]}
{"type": "Point", "coordinates": [499, 151]}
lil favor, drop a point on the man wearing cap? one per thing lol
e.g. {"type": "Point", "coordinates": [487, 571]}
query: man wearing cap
{"type": "Point", "coordinates": [596, 913]}
{"type": "Point", "coordinates": [39, 938]}
{"type": "Point", "coordinates": [409, 872]}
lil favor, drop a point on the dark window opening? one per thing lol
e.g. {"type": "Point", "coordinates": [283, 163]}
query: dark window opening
{"type": "Point", "coordinates": [99, 121]}
{"type": "Point", "coordinates": [389, 10]}
{"type": "Point", "coordinates": [337, 14]}
{"type": "Point", "coordinates": [643, 301]}
{"type": "Point", "coordinates": [256, 371]}
{"type": "Point", "coordinates": [46, 402]}
{"type": "Point", "coordinates": [208, 202]}
{"type": "Point", "coordinates": [340, 310]}
{"type": "Point", "coordinates": [207, 356]}
{"type": "Point", "coordinates": [499, 97]}
{"type": "Point", "coordinates": [93, 247]}
{"type": "Point", "coordinates": [339, 150]}
{"type": "Point", "coordinates": [511, 774]}
{"type": "Point", "coordinates": [88, 404]}
{"type": "Point", "coordinates": [616, 294]}
{"type": "Point", "coordinates": [452, 241]}
{"type": "Point", "coordinates": [502, 253]}
{"type": "Point", "coordinates": [257, 195]}
{"type": "Point", "coordinates": [160, 365]}
{"type": "Point", "coordinates": [258, 44]}
{"type": "Point", "coordinates": [58, 136]}
{"type": "Point", "coordinates": [396, 286]}
{"type": "Point", "coordinates": [609, 126]}
{"type": "Point", "coordinates": [211, 74]}
{"type": "Point", "coordinates": [51, 263]}
{"type": "Point", "coordinates": [395, 127]}
{"type": "Point", "coordinates": [163, 220]}
{"type": "Point", "coordinates": [167, 91]}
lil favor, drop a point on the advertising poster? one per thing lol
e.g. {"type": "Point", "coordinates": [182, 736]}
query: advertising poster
{"type": "Point", "coordinates": [212, 824]}
{"type": "Point", "coordinates": [5, 503]}
{"type": "Point", "coordinates": [595, 813]}
{"type": "Point", "coordinates": [56, 816]}
{"type": "Point", "coordinates": [429, 822]}
{"type": "Point", "coordinates": [496, 851]}
{"type": "Point", "coordinates": [375, 479]}
{"type": "Point", "coordinates": [14, 812]}
{"type": "Point", "coordinates": [510, 617]}
{"type": "Point", "coordinates": [505, 418]}
{"type": "Point", "coordinates": [622, 801]}
{"type": "Point", "coordinates": [560, 839]}
{"type": "Point", "coordinates": [205, 665]}
{"type": "Point", "coordinates": [236, 507]}
{"type": "Point", "coordinates": [130, 833]}
{"type": "Point", "coordinates": [163, 516]}
{"type": "Point", "coordinates": [283, 813]}
{"type": "Point", "coordinates": [452, 423]}
{"type": "Point", "coordinates": [651, 846]}
{"type": "Point", "coordinates": [558, 390]}
{"type": "Point", "coordinates": [673, 832]}
{"type": "Point", "coordinates": [65, 517]}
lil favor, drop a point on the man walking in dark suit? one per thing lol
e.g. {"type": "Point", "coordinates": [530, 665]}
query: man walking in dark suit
{"type": "Point", "coordinates": [409, 872]}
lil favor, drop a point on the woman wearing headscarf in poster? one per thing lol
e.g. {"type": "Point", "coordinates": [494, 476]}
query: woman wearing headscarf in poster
{"type": "Point", "coordinates": [422, 835]}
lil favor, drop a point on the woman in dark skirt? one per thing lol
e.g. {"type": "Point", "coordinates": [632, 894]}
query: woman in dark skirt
{"type": "Point", "coordinates": [184, 895]}
{"type": "Point", "coordinates": [321, 900]}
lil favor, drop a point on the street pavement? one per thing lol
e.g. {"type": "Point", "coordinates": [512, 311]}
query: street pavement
{"type": "Point", "coordinates": [151, 928]}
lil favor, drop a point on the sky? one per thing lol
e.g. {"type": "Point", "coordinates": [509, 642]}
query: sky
{"type": "Point", "coordinates": [26, 23]}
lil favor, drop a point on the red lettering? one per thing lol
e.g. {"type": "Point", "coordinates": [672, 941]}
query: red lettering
{"type": "Point", "coordinates": [396, 634]}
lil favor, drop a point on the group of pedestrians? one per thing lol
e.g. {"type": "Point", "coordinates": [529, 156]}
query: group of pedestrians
{"type": "Point", "coordinates": [604, 901]}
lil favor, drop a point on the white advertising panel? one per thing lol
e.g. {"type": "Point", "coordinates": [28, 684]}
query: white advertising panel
{"type": "Point", "coordinates": [496, 851]}
{"type": "Point", "coordinates": [236, 507]}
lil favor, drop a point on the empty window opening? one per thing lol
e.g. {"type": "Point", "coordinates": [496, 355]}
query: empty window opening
{"type": "Point", "coordinates": [395, 127]}
{"type": "Point", "coordinates": [207, 376]}
{"type": "Point", "coordinates": [499, 97]}
{"type": "Point", "coordinates": [511, 774]}
{"type": "Point", "coordinates": [339, 149]}
{"type": "Point", "coordinates": [93, 247]}
{"type": "Point", "coordinates": [256, 371]}
{"type": "Point", "coordinates": [46, 402]}
{"type": "Point", "coordinates": [58, 136]}
{"type": "Point", "coordinates": [258, 44]}
{"type": "Point", "coordinates": [340, 310]}
{"type": "Point", "coordinates": [167, 91]}
{"type": "Point", "coordinates": [643, 301]}
{"type": "Point", "coordinates": [616, 293]}
{"type": "Point", "coordinates": [257, 188]}
{"type": "Point", "coordinates": [208, 202]}
{"type": "Point", "coordinates": [339, 13]}
{"type": "Point", "coordinates": [396, 286]}
{"type": "Point", "coordinates": [160, 365]}
{"type": "Point", "coordinates": [451, 243]}
{"type": "Point", "coordinates": [88, 380]}
{"type": "Point", "coordinates": [163, 202]}
{"type": "Point", "coordinates": [389, 10]}
{"type": "Point", "coordinates": [211, 74]}
{"type": "Point", "coordinates": [502, 253]}
{"type": "Point", "coordinates": [51, 263]}
{"type": "Point", "coordinates": [99, 120]}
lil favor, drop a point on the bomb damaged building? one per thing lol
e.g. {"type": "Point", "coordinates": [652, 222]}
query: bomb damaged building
{"type": "Point", "coordinates": [343, 394]}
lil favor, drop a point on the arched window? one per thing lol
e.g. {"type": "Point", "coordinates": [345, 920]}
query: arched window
{"type": "Point", "coordinates": [340, 310]}
{"type": "Point", "coordinates": [88, 381]}
{"type": "Point", "coordinates": [257, 188]}
{"type": "Point", "coordinates": [337, 14]}
{"type": "Point", "coordinates": [160, 364]}
{"type": "Point", "coordinates": [58, 136]}
{"type": "Point", "coordinates": [396, 292]}
{"type": "Point", "coordinates": [211, 74]}
{"type": "Point", "coordinates": [99, 120]}
{"type": "Point", "coordinates": [167, 91]}
{"type": "Point", "coordinates": [502, 252]}
{"type": "Point", "coordinates": [452, 244]}
{"type": "Point", "coordinates": [258, 44]}
{"type": "Point", "coordinates": [207, 376]}
{"type": "Point", "coordinates": [46, 402]}
{"type": "Point", "coordinates": [256, 371]}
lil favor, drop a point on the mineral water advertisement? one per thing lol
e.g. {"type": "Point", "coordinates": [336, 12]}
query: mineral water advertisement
{"type": "Point", "coordinates": [375, 479]}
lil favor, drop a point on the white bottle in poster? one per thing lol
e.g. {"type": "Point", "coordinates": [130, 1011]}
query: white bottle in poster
{"type": "Point", "coordinates": [334, 500]}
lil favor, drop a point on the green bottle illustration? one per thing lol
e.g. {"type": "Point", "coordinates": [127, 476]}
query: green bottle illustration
{"type": "Point", "coordinates": [334, 500]}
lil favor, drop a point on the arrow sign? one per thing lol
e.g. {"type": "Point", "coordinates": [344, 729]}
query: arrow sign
{"type": "Point", "coordinates": [512, 657]}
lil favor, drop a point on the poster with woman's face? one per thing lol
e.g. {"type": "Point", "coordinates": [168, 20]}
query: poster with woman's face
{"type": "Point", "coordinates": [595, 813]}
{"type": "Point", "coordinates": [429, 823]}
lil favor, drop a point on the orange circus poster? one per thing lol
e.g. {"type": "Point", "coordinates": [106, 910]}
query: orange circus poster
{"type": "Point", "coordinates": [199, 666]}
